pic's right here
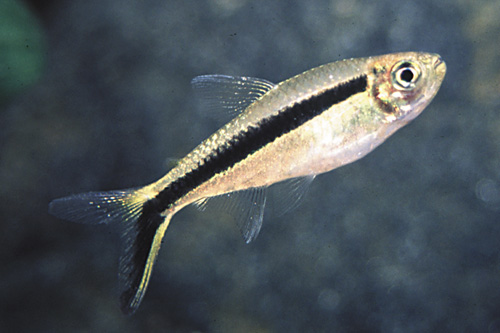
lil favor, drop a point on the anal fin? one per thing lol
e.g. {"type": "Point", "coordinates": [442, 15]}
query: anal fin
{"type": "Point", "coordinates": [247, 206]}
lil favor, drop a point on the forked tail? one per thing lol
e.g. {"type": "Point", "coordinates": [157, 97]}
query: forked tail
{"type": "Point", "coordinates": [142, 225]}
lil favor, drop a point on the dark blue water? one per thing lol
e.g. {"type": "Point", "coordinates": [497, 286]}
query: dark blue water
{"type": "Point", "coordinates": [404, 240]}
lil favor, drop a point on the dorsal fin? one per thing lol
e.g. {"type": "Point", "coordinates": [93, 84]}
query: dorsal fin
{"type": "Point", "coordinates": [223, 94]}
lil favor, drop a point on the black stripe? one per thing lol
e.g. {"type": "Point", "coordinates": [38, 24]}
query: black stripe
{"type": "Point", "coordinates": [134, 259]}
{"type": "Point", "coordinates": [254, 138]}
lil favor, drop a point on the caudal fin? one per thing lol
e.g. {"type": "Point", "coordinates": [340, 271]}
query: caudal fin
{"type": "Point", "coordinates": [142, 228]}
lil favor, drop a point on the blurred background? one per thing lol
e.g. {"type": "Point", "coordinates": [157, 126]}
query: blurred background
{"type": "Point", "coordinates": [95, 95]}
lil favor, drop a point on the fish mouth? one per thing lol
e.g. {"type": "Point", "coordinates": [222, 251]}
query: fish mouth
{"type": "Point", "coordinates": [439, 65]}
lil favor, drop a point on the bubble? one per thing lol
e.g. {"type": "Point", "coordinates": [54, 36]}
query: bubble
{"type": "Point", "coordinates": [328, 299]}
{"type": "Point", "coordinates": [487, 190]}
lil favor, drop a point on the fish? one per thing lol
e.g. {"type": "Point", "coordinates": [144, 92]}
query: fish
{"type": "Point", "coordinates": [286, 133]}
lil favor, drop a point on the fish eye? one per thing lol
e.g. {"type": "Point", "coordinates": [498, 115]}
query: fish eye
{"type": "Point", "coordinates": [405, 74]}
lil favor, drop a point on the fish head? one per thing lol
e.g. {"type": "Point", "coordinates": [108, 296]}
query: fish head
{"type": "Point", "coordinates": [405, 83]}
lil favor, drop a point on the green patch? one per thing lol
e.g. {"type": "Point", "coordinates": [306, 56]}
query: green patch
{"type": "Point", "coordinates": [22, 49]}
